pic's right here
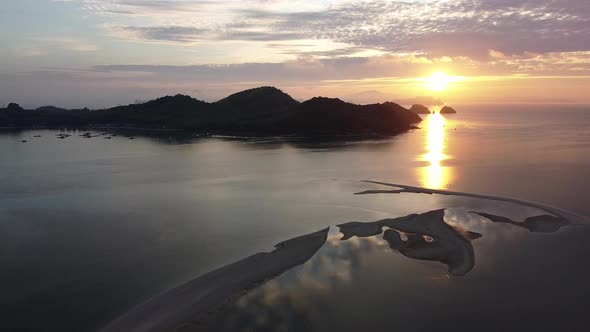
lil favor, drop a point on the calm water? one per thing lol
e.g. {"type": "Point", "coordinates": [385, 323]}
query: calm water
{"type": "Point", "coordinates": [91, 227]}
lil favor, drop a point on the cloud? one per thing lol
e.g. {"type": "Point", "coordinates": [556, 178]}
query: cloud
{"type": "Point", "coordinates": [260, 35]}
{"type": "Point", "coordinates": [144, 7]}
{"type": "Point", "coordinates": [36, 47]}
{"type": "Point", "coordinates": [496, 54]}
{"type": "Point", "coordinates": [456, 28]}
{"type": "Point", "coordinates": [434, 27]}
{"type": "Point", "coordinates": [177, 34]}
{"type": "Point", "coordinates": [332, 47]}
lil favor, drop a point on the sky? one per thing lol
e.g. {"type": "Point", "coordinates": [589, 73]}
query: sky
{"type": "Point", "coordinates": [101, 53]}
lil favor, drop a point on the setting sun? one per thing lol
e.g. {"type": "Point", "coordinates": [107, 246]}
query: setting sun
{"type": "Point", "coordinates": [439, 81]}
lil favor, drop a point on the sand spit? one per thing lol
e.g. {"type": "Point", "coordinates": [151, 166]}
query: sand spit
{"type": "Point", "coordinates": [447, 244]}
{"type": "Point", "coordinates": [183, 307]}
{"type": "Point", "coordinates": [570, 217]}
{"type": "Point", "coordinates": [535, 224]}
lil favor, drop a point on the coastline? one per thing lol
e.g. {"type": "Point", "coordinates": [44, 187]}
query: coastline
{"type": "Point", "coordinates": [224, 134]}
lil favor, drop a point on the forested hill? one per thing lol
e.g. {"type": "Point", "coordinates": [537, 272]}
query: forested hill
{"type": "Point", "coordinates": [264, 110]}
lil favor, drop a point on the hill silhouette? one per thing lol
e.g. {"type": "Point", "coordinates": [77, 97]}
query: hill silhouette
{"type": "Point", "coordinates": [334, 116]}
{"type": "Point", "coordinates": [263, 99]}
{"type": "Point", "coordinates": [259, 111]}
{"type": "Point", "coordinates": [447, 110]}
{"type": "Point", "coordinates": [251, 109]}
{"type": "Point", "coordinates": [419, 109]}
{"type": "Point", "coordinates": [164, 112]}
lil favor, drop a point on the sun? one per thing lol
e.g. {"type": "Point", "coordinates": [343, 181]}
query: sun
{"type": "Point", "coordinates": [439, 81]}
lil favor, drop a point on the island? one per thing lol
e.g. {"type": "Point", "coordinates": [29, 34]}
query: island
{"type": "Point", "coordinates": [420, 109]}
{"type": "Point", "coordinates": [447, 110]}
{"type": "Point", "coordinates": [258, 111]}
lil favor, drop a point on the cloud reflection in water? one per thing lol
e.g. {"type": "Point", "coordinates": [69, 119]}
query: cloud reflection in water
{"type": "Point", "coordinates": [361, 274]}
{"type": "Point", "coordinates": [301, 297]}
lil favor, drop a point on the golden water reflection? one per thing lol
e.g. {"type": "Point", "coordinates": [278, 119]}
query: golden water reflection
{"type": "Point", "coordinates": [435, 175]}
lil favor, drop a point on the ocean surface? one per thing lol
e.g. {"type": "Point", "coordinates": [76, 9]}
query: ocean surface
{"type": "Point", "coordinates": [92, 227]}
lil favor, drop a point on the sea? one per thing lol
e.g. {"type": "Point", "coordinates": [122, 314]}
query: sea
{"type": "Point", "coordinates": [93, 225]}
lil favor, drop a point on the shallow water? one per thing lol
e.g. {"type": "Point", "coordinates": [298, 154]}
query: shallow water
{"type": "Point", "coordinates": [504, 278]}
{"type": "Point", "coordinates": [90, 227]}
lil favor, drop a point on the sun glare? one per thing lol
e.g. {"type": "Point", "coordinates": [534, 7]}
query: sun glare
{"type": "Point", "coordinates": [439, 81]}
{"type": "Point", "coordinates": [435, 175]}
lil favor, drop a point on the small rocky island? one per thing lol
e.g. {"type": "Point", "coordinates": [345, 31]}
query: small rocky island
{"type": "Point", "coordinates": [259, 111]}
{"type": "Point", "coordinates": [420, 109]}
{"type": "Point", "coordinates": [447, 110]}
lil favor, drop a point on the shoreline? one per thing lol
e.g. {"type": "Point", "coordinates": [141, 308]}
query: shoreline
{"type": "Point", "coordinates": [221, 134]}
{"type": "Point", "coordinates": [25, 128]}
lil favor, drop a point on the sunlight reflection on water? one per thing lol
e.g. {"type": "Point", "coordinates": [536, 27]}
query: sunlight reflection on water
{"type": "Point", "coordinates": [435, 175]}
